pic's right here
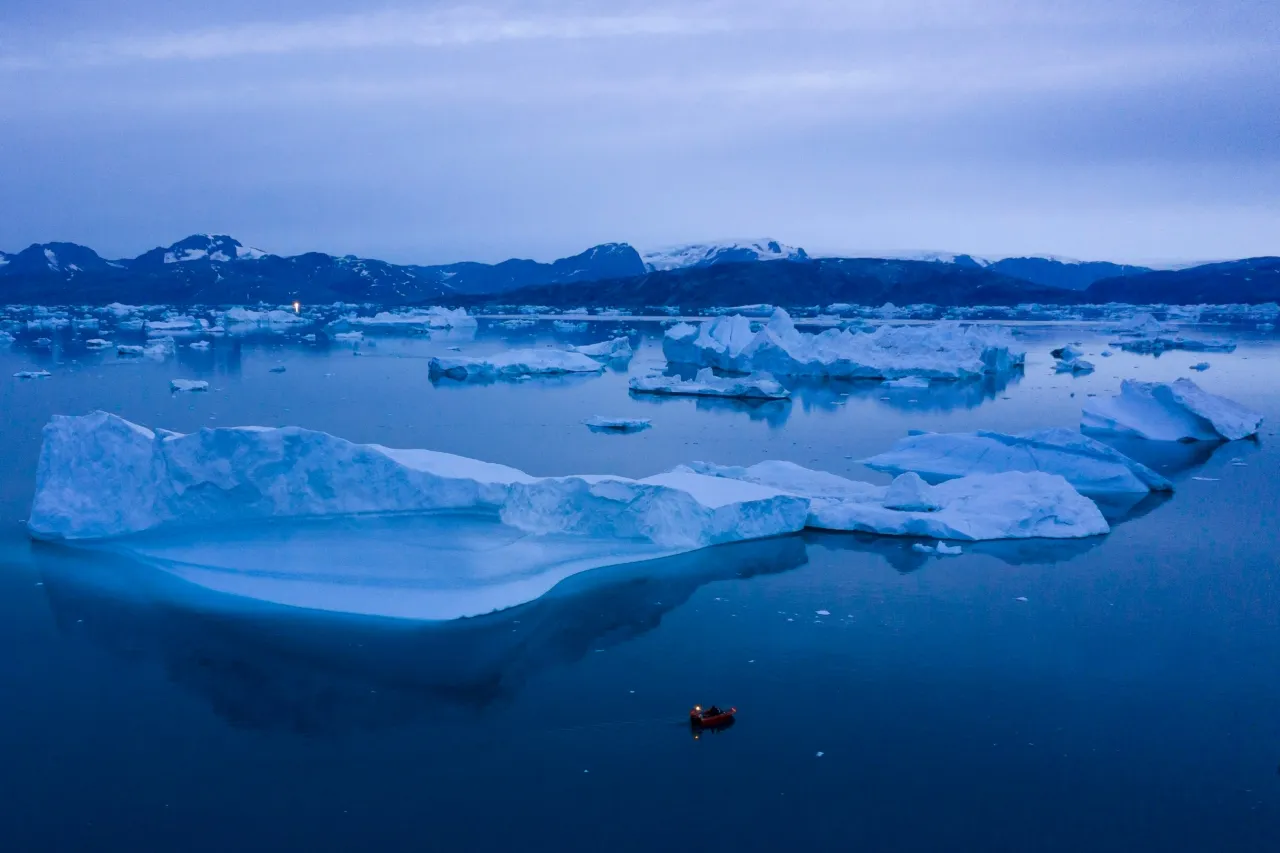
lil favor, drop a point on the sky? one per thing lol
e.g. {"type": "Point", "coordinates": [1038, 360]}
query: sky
{"type": "Point", "coordinates": [1132, 130]}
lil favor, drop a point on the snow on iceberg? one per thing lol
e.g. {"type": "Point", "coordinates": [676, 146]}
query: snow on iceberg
{"type": "Point", "coordinates": [945, 350]}
{"type": "Point", "coordinates": [1178, 411]}
{"type": "Point", "coordinates": [1090, 466]}
{"type": "Point", "coordinates": [616, 348]}
{"type": "Point", "coordinates": [1010, 505]}
{"type": "Point", "coordinates": [514, 363]}
{"type": "Point", "coordinates": [707, 384]}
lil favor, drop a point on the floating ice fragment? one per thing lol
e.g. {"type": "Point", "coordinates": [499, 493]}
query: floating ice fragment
{"type": "Point", "coordinates": [599, 423]}
{"type": "Point", "coordinates": [707, 384]}
{"type": "Point", "coordinates": [514, 364]}
{"type": "Point", "coordinates": [1178, 411]}
{"type": "Point", "coordinates": [188, 385]}
{"type": "Point", "coordinates": [1090, 466]}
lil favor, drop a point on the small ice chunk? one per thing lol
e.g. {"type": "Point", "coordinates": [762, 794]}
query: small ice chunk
{"type": "Point", "coordinates": [1201, 366]}
{"type": "Point", "coordinates": [1022, 598]}
{"type": "Point", "coordinates": [97, 343]}
{"type": "Point", "coordinates": [600, 423]}
{"type": "Point", "coordinates": [945, 549]}
{"type": "Point", "coordinates": [823, 612]}
{"type": "Point", "coordinates": [32, 374]}
{"type": "Point", "coordinates": [277, 369]}
{"type": "Point", "coordinates": [921, 548]}
{"type": "Point", "coordinates": [198, 345]}
{"type": "Point", "coordinates": [188, 385]}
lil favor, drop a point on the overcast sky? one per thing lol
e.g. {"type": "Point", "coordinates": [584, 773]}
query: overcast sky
{"type": "Point", "coordinates": [429, 132]}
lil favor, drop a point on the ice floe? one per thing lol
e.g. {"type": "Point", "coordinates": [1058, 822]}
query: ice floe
{"type": "Point", "coordinates": [513, 364]}
{"type": "Point", "coordinates": [97, 343]}
{"type": "Point", "coordinates": [1158, 345]}
{"type": "Point", "coordinates": [1177, 411]}
{"type": "Point", "coordinates": [600, 423]}
{"type": "Point", "coordinates": [185, 385]}
{"type": "Point", "coordinates": [32, 374]}
{"type": "Point", "coordinates": [944, 350]}
{"type": "Point", "coordinates": [1090, 466]}
{"type": "Point", "coordinates": [707, 384]}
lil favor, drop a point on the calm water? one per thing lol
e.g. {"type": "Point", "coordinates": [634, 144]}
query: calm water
{"type": "Point", "coordinates": [1130, 703]}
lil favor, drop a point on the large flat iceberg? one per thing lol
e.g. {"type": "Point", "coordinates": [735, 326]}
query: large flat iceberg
{"type": "Point", "coordinates": [102, 476]}
{"type": "Point", "coordinates": [1178, 411]}
{"type": "Point", "coordinates": [1090, 466]}
{"type": "Point", "coordinates": [435, 317]}
{"type": "Point", "coordinates": [944, 350]}
{"type": "Point", "coordinates": [1011, 505]}
{"type": "Point", "coordinates": [513, 364]}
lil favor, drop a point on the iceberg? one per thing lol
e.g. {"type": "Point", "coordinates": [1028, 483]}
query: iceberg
{"type": "Point", "coordinates": [198, 345]}
{"type": "Point", "coordinates": [603, 424]}
{"type": "Point", "coordinates": [188, 385]}
{"type": "Point", "coordinates": [239, 320]}
{"type": "Point", "coordinates": [513, 364]}
{"type": "Point", "coordinates": [1158, 345]}
{"type": "Point", "coordinates": [1074, 365]}
{"type": "Point", "coordinates": [97, 343]}
{"type": "Point", "coordinates": [1009, 505]}
{"type": "Point", "coordinates": [707, 384]}
{"type": "Point", "coordinates": [435, 317]}
{"type": "Point", "coordinates": [1090, 466]}
{"type": "Point", "coordinates": [945, 350]}
{"type": "Point", "coordinates": [101, 476]}
{"type": "Point", "coordinates": [1178, 411]}
{"type": "Point", "coordinates": [32, 374]}
{"type": "Point", "coordinates": [617, 348]}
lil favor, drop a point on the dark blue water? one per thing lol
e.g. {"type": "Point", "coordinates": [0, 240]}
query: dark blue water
{"type": "Point", "coordinates": [1130, 703]}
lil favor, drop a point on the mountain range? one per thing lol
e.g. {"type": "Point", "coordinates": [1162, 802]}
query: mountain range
{"type": "Point", "coordinates": [217, 269]}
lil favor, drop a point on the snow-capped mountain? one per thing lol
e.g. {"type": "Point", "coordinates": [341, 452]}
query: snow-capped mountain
{"type": "Point", "coordinates": [64, 259]}
{"type": "Point", "coordinates": [215, 248]}
{"type": "Point", "coordinates": [728, 252]}
{"type": "Point", "coordinates": [218, 269]}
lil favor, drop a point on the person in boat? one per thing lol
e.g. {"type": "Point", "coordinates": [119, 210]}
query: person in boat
{"type": "Point", "coordinates": [713, 711]}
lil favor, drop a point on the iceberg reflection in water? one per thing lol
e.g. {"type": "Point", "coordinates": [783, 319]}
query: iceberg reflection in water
{"type": "Point", "coordinates": [270, 667]}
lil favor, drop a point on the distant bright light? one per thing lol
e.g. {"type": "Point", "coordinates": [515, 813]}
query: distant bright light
{"type": "Point", "coordinates": [296, 307]}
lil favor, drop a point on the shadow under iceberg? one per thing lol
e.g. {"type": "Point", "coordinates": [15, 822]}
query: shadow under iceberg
{"type": "Point", "coordinates": [267, 666]}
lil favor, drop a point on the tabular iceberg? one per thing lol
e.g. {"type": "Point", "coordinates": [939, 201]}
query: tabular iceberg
{"type": "Point", "coordinates": [1089, 466]}
{"type": "Point", "coordinates": [944, 350]}
{"type": "Point", "coordinates": [102, 476]}
{"type": "Point", "coordinates": [1011, 505]}
{"type": "Point", "coordinates": [184, 385]}
{"type": "Point", "coordinates": [514, 363]}
{"type": "Point", "coordinates": [1157, 345]}
{"type": "Point", "coordinates": [707, 384]}
{"type": "Point", "coordinates": [1181, 411]}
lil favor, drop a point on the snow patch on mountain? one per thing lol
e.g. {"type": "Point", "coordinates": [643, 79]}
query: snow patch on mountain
{"type": "Point", "coordinates": [731, 251]}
